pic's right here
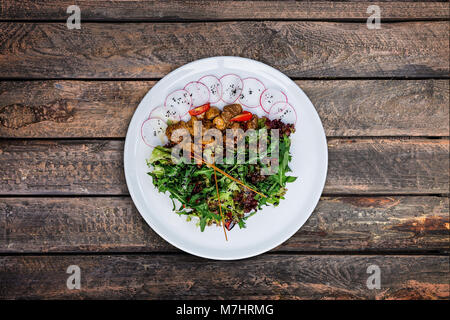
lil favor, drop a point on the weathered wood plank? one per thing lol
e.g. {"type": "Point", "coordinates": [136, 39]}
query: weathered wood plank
{"type": "Point", "coordinates": [53, 109]}
{"type": "Point", "coordinates": [58, 109]}
{"type": "Point", "coordinates": [188, 277]}
{"type": "Point", "coordinates": [299, 49]}
{"type": "Point", "coordinates": [95, 10]}
{"type": "Point", "coordinates": [382, 166]}
{"type": "Point", "coordinates": [381, 107]}
{"type": "Point", "coordinates": [114, 225]}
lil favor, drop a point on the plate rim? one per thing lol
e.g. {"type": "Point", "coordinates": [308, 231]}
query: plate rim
{"type": "Point", "coordinates": [128, 142]}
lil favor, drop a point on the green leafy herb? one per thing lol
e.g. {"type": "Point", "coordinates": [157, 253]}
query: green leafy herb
{"type": "Point", "coordinates": [192, 188]}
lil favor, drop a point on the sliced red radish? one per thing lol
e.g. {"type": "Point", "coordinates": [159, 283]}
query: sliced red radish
{"type": "Point", "coordinates": [231, 87]}
{"type": "Point", "coordinates": [153, 132]}
{"type": "Point", "coordinates": [199, 93]}
{"type": "Point", "coordinates": [180, 100]}
{"type": "Point", "coordinates": [283, 111]}
{"type": "Point", "coordinates": [251, 93]}
{"type": "Point", "coordinates": [271, 96]}
{"type": "Point", "coordinates": [214, 86]}
{"type": "Point", "coordinates": [165, 113]}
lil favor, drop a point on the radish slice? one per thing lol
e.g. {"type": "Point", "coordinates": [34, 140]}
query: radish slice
{"type": "Point", "coordinates": [271, 96]}
{"type": "Point", "coordinates": [214, 86]}
{"type": "Point", "coordinates": [251, 94]}
{"type": "Point", "coordinates": [165, 113]}
{"type": "Point", "coordinates": [199, 93]}
{"type": "Point", "coordinates": [153, 132]}
{"type": "Point", "coordinates": [284, 112]}
{"type": "Point", "coordinates": [256, 111]}
{"type": "Point", "coordinates": [180, 100]}
{"type": "Point", "coordinates": [232, 87]}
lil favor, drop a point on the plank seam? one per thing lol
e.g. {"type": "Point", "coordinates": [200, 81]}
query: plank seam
{"type": "Point", "coordinates": [329, 138]}
{"type": "Point", "coordinates": [405, 78]}
{"type": "Point", "coordinates": [181, 253]}
{"type": "Point", "coordinates": [178, 21]}
{"type": "Point", "coordinates": [126, 195]}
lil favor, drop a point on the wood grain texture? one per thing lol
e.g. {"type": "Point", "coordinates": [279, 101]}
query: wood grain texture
{"type": "Point", "coordinates": [77, 167]}
{"type": "Point", "coordinates": [381, 107]}
{"type": "Point", "coordinates": [105, 224]}
{"type": "Point", "coordinates": [53, 109]}
{"type": "Point", "coordinates": [59, 109]}
{"type": "Point", "coordinates": [162, 40]}
{"type": "Point", "coordinates": [188, 277]}
{"type": "Point", "coordinates": [151, 50]}
{"type": "Point", "coordinates": [97, 10]}
{"type": "Point", "coordinates": [384, 166]}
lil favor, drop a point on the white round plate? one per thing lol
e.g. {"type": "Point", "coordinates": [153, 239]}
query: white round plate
{"type": "Point", "coordinates": [269, 227]}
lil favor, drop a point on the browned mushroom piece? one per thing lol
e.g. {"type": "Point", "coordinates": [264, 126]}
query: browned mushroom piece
{"type": "Point", "coordinates": [212, 113]}
{"type": "Point", "coordinates": [226, 116]}
{"type": "Point", "coordinates": [207, 125]}
{"type": "Point", "coordinates": [229, 112]}
{"type": "Point", "coordinates": [233, 109]}
{"type": "Point", "coordinates": [238, 134]}
{"type": "Point", "coordinates": [219, 122]}
{"type": "Point", "coordinates": [253, 123]}
{"type": "Point", "coordinates": [171, 128]}
{"type": "Point", "coordinates": [190, 124]}
{"type": "Point", "coordinates": [235, 126]}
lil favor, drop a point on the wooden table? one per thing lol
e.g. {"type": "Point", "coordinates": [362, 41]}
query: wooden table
{"type": "Point", "coordinates": [67, 96]}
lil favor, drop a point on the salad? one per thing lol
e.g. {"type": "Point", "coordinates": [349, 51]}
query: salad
{"type": "Point", "coordinates": [214, 193]}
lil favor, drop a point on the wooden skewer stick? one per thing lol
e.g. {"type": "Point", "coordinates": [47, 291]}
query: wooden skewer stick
{"type": "Point", "coordinates": [231, 177]}
{"type": "Point", "coordinates": [220, 206]}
